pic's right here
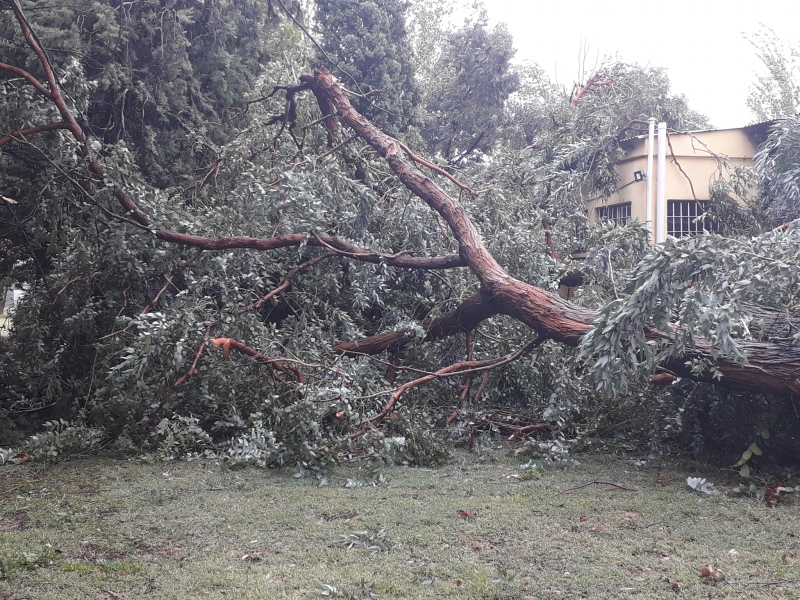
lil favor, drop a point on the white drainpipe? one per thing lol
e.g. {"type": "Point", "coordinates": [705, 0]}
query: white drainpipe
{"type": "Point", "coordinates": [651, 138]}
{"type": "Point", "coordinates": [661, 185]}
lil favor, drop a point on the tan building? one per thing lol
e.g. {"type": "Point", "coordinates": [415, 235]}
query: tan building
{"type": "Point", "coordinates": [664, 178]}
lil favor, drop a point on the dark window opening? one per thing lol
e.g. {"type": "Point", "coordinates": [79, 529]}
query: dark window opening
{"type": "Point", "coordinates": [616, 213]}
{"type": "Point", "coordinates": [687, 217]}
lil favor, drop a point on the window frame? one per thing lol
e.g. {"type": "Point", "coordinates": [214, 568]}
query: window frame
{"type": "Point", "coordinates": [610, 212]}
{"type": "Point", "coordinates": [687, 221]}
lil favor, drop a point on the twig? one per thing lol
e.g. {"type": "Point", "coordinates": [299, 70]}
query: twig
{"type": "Point", "coordinates": [287, 282]}
{"type": "Point", "coordinates": [458, 369]}
{"type": "Point", "coordinates": [227, 343]}
{"type": "Point", "coordinates": [338, 146]}
{"type": "Point", "coordinates": [66, 285]}
{"type": "Point", "coordinates": [517, 429]}
{"type": "Point", "coordinates": [213, 170]}
{"type": "Point", "coordinates": [680, 168]}
{"type": "Point", "coordinates": [777, 582]}
{"type": "Point", "coordinates": [169, 277]}
{"type": "Point", "coordinates": [361, 253]}
{"type": "Point", "coordinates": [616, 485]}
{"type": "Point", "coordinates": [438, 169]}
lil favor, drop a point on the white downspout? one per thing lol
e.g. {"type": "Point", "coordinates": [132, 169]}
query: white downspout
{"type": "Point", "coordinates": [661, 185]}
{"type": "Point", "coordinates": [651, 138]}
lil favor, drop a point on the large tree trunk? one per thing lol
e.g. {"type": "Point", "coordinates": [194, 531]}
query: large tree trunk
{"type": "Point", "coordinates": [771, 367]}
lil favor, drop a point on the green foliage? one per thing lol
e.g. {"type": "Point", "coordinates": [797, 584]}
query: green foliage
{"type": "Point", "coordinates": [753, 449]}
{"type": "Point", "coordinates": [365, 539]}
{"type": "Point", "coordinates": [571, 143]}
{"type": "Point", "coordinates": [28, 560]}
{"type": "Point", "coordinates": [167, 79]}
{"type": "Point", "coordinates": [113, 340]}
{"type": "Point", "coordinates": [778, 163]}
{"type": "Point", "coordinates": [697, 287]}
{"type": "Point", "coordinates": [776, 93]}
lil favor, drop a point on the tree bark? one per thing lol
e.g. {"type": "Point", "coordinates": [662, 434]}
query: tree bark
{"type": "Point", "coordinates": [466, 317]}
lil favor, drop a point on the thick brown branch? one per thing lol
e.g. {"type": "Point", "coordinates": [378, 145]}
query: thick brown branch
{"type": "Point", "coordinates": [465, 317]}
{"type": "Point", "coordinates": [296, 239]}
{"type": "Point", "coordinates": [37, 85]}
{"type": "Point", "coordinates": [227, 343]}
{"type": "Point", "coordinates": [772, 368]}
{"type": "Point", "coordinates": [580, 90]}
{"type": "Point", "coordinates": [30, 131]}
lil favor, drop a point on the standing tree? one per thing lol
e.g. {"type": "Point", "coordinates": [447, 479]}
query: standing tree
{"type": "Point", "coordinates": [466, 102]}
{"type": "Point", "coordinates": [776, 93]}
{"type": "Point", "coordinates": [366, 45]}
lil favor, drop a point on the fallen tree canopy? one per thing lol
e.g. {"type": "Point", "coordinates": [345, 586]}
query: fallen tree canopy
{"type": "Point", "coordinates": [610, 343]}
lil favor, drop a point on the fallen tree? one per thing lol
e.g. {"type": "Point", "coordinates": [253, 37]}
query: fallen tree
{"type": "Point", "coordinates": [609, 340]}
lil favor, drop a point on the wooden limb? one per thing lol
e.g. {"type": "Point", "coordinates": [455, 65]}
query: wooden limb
{"type": "Point", "coordinates": [580, 90]}
{"type": "Point", "coordinates": [227, 343]}
{"type": "Point", "coordinates": [212, 171]}
{"type": "Point", "coordinates": [578, 487]}
{"type": "Point", "coordinates": [169, 277]}
{"type": "Point", "coordinates": [338, 147]}
{"type": "Point", "coordinates": [30, 131]}
{"type": "Point", "coordinates": [455, 370]}
{"type": "Point", "coordinates": [340, 246]}
{"type": "Point", "coordinates": [66, 285]}
{"type": "Point", "coordinates": [680, 168]}
{"type": "Point", "coordinates": [467, 383]}
{"type": "Point", "coordinates": [437, 168]}
{"type": "Point", "coordinates": [784, 226]}
{"type": "Point", "coordinates": [548, 239]}
{"type": "Point", "coordinates": [518, 430]}
{"type": "Point", "coordinates": [464, 318]}
{"type": "Point", "coordinates": [37, 85]}
{"type": "Point", "coordinates": [357, 254]}
{"type": "Point", "coordinates": [286, 284]}
{"type": "Point", "coordinates": [476, 398]}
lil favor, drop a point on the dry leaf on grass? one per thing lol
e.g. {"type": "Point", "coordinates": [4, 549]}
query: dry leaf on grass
{"type": "Point", "coordinates": [712, 573]}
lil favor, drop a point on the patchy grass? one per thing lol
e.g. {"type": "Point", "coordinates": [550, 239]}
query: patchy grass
{"type": "Point", "coordinates": [476, 528]}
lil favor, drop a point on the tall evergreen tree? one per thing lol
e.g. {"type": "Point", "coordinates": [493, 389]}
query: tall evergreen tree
{"type": "Point", "coordinates": [166, 76]}
{"type": "Point", "coordinates": [465, 105]}
{"type": "Point", "coordinates": [365, 44]}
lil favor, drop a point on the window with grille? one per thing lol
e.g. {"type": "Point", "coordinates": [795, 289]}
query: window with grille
{"type": "Point", "coordinates": [685, 217]}
{"type": "Point", "coordinates": [616, 213]}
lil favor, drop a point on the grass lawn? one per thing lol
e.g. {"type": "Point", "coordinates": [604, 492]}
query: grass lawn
{"type": "Point", "coordinates": [478, 527]}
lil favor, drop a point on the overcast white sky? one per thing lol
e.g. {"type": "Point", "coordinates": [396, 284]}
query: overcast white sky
{"type": "Point", "coordinates": [701, 43]}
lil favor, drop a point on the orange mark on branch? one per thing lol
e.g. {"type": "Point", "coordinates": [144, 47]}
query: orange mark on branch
{"type": "Point", "coordinates": [227, 343]}
{"type": "Point", "coordinates": [226, 346]}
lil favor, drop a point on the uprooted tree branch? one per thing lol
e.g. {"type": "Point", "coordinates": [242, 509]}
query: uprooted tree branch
{"type": "Point", "coordinates": [771, 367]}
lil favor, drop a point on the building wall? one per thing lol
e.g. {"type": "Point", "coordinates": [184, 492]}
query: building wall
{"type": "Point", "coordinates": [697, 154]}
